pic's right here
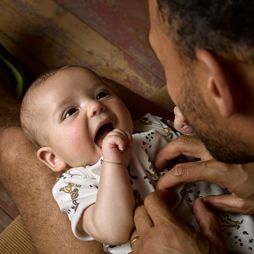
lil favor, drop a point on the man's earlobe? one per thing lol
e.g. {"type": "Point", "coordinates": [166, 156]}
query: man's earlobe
{"type": "Point", "coordinates": [50, 159]}
{"type": "Point", "coordinates": [223, 100]}
{"type": "Point", "coordinates": [220, 84]}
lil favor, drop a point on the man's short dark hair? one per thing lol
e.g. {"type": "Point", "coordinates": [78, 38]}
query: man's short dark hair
{"type": "Point", "coordinates": [225, 27]}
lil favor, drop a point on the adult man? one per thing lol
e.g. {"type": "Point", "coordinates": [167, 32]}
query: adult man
{"type": "Point", "coordinates": [206, 49]}
{"type": "Point", "coordinates": [154, 222]}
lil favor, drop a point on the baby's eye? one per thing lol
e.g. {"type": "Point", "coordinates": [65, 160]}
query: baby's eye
{"type": "Point", "coordinates": [101, 94]}
{"type": "Point", "coordinates": [69, 112]}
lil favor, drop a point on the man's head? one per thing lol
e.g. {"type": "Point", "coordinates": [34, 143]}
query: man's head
{"type": "Point", "coordinates": [67, 112]}
{"type": "Point", "coordinates": [221, 26]}
{"type": "Point", "coordinates": [206, 49]}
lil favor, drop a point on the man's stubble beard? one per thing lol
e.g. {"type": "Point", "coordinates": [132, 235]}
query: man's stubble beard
{"type": "Point", "coordinates": [223, 145]}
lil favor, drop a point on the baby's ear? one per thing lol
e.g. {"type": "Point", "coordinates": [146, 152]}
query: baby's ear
{"type": "Point", "coordinates": [52, 160]}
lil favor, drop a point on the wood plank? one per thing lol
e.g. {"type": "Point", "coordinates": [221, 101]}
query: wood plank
{"type": "Point", "coordinates": [8, 209]}
{"type": "Point", "coordinates": [20, 52]}
{"type": "Point", "coordinates": [53, 37]}
{"type": "Point", "coordinates": [5, 220]}
{"type": "Point", "coordinates": [9, 106]}
{"type": "Point", "coordinates": [7, 205]}
{"type": "Point", "coordinates": [124, 23]}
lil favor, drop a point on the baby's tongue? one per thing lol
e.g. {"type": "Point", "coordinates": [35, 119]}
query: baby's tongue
{"type": "Point", "coordinates": [101, 134]}
{"type": "Point", "coordinates": [99, 139]}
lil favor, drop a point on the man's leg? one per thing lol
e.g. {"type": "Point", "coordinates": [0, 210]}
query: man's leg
{"type": "Point", "coordinates": [30, 183]}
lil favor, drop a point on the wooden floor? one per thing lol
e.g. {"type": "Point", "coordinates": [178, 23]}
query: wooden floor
{"type": "Point", "coordinates": [108, 36]}
{"type": "Point", "coordinates": [8, 210]}
{"type": "Point", "coordinates": [8, 116]}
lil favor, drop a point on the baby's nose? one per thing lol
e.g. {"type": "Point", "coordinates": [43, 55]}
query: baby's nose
{"type": "Point", "coordinates": [95, 108]}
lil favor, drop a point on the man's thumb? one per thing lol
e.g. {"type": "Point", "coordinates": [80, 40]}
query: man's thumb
{"type": "Point", "coordinates": [209, 225]}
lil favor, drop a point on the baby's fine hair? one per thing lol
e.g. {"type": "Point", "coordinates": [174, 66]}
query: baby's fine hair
{"type": "Point", "coordinates": [27, 113]}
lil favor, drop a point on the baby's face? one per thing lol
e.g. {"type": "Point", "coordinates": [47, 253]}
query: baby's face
{"type": "Point", "coordinates": [76, 111]}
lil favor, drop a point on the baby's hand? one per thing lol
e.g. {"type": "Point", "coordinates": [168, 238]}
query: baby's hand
{"type": "Point", "coordinates": [116, 147]}
{"type": "Point", "coordinates": [181, 124]}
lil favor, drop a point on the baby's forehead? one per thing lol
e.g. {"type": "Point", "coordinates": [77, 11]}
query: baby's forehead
{"type": "Point", "coordinates": [74, 75]}
{"type": "Point", "coordinates": [72, 80]}
{"type": "Point", "coordinates": [76, 70]}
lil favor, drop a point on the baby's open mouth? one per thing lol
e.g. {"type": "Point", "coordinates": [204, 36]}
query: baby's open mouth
{"type": "Point", "coordinates": [102, 132]}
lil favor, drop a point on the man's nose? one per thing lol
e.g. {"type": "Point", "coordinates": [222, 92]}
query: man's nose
{"type": "Point", "coordinates": [95, 108]}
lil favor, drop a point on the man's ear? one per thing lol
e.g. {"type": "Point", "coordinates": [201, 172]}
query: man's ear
{"type": "Point", "coordinates": [220, 84]}
{"type": "Point", "coordinates": [49, 158]}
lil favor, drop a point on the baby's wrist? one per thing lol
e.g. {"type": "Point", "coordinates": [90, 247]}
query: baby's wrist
{"type": "Point", "coordinates": [108, 161]}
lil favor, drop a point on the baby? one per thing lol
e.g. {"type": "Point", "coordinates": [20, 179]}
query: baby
{"type": "Point", "coordinates": [181, 124]}
{"type": "Point", "coordinates": [84, 131]}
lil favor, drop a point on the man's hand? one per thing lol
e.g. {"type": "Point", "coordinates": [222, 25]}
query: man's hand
{"type": "Point", "coordinates": [237, 178]}
{"type": "Point", "coordinates": [160, 232]}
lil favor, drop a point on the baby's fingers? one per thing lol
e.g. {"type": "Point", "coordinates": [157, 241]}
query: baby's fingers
{"type": "Point", "coordinates": [119, 138]}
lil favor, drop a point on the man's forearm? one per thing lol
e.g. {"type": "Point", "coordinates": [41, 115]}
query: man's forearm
{"type": "Point", "coordinates": [30, 184]}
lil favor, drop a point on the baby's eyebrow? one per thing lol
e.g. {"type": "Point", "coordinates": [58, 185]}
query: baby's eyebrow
{"type": "Point", "coordinates": [101, 85]}
{"type": "Point", "coordinates": [61, 105]}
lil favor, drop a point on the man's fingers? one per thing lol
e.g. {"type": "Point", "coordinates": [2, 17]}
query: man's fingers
{"type": "Point", "coordinates": [157, 209]}
{"type": "Point", "coordinates": [184, 145]}
{"type": "Point", "coordinates": [209, 225]}
{"type": "Point", "coordinates": [206, 219]}
{"type": "Point", "coordinates": [142, 220]}
{"type": "Point", "coordinates": [230, 203]}
{"type": "Point", "coordinates": [134, 241]}
{"type": "Point", "coordinates": [210, 171]}
{"type": "Point", "coordinates": [149, 218]}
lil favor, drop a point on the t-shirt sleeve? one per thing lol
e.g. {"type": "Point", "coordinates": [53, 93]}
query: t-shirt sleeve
{"type": "Point", "coordinates": [74, 191]}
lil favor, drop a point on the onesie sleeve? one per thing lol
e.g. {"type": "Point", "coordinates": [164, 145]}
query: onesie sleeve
{"type": "Point", "coordinates": [74, 191]}
{"type": "Point", "coordinates": [156, 133]}
{"type": "Point", "coordinates": [151, 122]}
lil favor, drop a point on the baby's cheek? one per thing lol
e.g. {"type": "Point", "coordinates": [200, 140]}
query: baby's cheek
{"type": "Point", "coordinates": [79, 143]}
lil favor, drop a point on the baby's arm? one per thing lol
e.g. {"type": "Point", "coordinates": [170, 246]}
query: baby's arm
{"type": "Point", "coordinates": [110, 219]}
{"type": "Point", "coordinates": [181, 124]}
